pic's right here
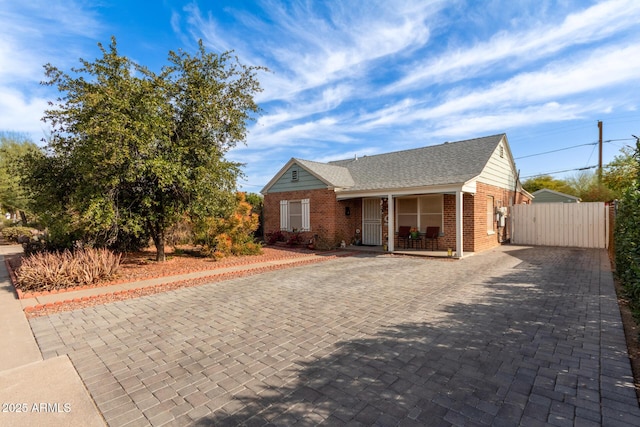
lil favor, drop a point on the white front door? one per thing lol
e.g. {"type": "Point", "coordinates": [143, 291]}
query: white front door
{"type": "Point", "coordinates": [371, 222]}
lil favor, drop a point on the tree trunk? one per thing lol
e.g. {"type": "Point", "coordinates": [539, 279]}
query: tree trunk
{"type": "Point", "coordinates": [160, 256]}
{"type": "Point", "coordinates": [158, 241]}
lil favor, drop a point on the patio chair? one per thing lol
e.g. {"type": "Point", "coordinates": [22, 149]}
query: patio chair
{"type": "Point", "coordinates": [404, 232]}
{"type": "Point", "coordinates": [432, 235]}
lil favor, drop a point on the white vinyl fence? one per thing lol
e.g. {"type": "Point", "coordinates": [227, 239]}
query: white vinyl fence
{"type": "Point", "coordinates": [583, 225]}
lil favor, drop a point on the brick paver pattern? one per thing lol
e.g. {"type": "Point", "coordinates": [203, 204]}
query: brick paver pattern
{"type": "Point", "coordinates": [512, 336]}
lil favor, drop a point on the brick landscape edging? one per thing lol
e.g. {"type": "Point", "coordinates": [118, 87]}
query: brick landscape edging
{"type": "Point", "coordinates": [76, 303]}
{"type": "Point", "coordinates": [25, 295]}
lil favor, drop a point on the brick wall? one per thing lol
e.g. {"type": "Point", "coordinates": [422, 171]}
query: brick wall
{"type": "Point", "coordinates": [327, 215]}
{"type": "Point", "coordinates": [475, 237]}
{"type": "Point", "coordinates": [501, 198]}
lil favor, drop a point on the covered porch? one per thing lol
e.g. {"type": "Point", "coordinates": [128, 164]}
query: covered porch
{"type": "Point", "coordinates": [383, 215]}
{"type": "Point", "coordinates": [410, 252]}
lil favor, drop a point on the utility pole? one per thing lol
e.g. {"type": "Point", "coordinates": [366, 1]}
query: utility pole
{"type": "Point", "coordinates": [599, 151]}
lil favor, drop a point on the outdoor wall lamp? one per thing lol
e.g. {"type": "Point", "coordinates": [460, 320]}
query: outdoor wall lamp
{"type": "Point", "coordinates": [347, 210]}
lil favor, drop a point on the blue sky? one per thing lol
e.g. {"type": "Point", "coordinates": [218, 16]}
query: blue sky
{"type": "Point", "coordinates": [361, 77]}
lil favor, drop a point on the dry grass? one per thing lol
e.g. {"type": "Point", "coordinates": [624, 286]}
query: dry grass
{"type": "Point", "coordinates": [49, 271]}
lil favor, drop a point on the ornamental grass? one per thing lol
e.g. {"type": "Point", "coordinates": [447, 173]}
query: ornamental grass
{"type": "Point", "coordinates": [61, 270]}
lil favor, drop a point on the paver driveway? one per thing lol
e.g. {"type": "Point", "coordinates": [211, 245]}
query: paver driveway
{"type": "Point", "coordinates": [528, 336]}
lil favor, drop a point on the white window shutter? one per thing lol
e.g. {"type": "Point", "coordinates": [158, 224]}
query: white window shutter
{"type": "Point", "coordinates": [284, 214]}
{"type": "Point", "coordinates": [306, 217]}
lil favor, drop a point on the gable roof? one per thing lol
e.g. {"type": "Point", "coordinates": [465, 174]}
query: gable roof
{"type": "Point", "coordinates": [546, 191]}
{"type": "Point", "coordinates": [443, 164]}
{"type": "Point", "coordinates": [333, 175]}
{"type": "Point", "coordinates": [448, 163]}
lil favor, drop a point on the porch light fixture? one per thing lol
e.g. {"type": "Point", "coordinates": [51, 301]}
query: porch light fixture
{"type": "Point", "coordinates": [347, 210]}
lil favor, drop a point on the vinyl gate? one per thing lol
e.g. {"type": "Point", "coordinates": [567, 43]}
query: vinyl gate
{"type": "Point", "coordinates": [583, 225]}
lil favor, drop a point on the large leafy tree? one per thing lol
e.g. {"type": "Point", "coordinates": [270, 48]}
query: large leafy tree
{"type": "Point", "coordinates": [587, 186]}
{"type": "Point", "coordinates": [548, 182]}
{"type": "Point", "coordinates": [13, 148]}
{"type": "Point", "coordinates": [621, 172]}
{"type": "Point", "coordinates": [627, 231]}
{"type": "Point", "coordinates": [138, 150]}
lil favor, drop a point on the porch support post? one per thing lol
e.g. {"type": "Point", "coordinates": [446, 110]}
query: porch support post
{"type": "Point", "coordinates": [390, 225]}
{"type": "Point", "coordinates": [459, 223]}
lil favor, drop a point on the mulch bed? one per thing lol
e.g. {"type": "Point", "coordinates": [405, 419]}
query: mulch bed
{"type": "Point", "coordinates": [142, 265]}
{"type": "Point", "coordinates": [79, 303]}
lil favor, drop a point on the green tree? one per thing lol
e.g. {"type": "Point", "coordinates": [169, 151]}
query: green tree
{"type": "Point", "coordinates": [141, 149]}
{"type": "Point", "coordinates": [620, 173]}
{"type": "Point", "coordinates": [586, 186]}
{"type": "Point", "coordinates": [257, 206]}
{"type": "Point", "coordinates": [13, 149]}
{"type": "Point", "coordinates": [548, 182]}
{"type": "Point", "coordinates": [627, 234]}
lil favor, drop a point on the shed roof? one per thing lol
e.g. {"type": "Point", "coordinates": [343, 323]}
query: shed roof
{"type": "Point", "coordinates": [547, 195]}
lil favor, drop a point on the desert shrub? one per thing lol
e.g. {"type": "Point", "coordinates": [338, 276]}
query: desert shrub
{"type": "Point", "coordinates": [295, 238]}
{"type": "Point", "coordinates": [275, 236]}
{"type": "Point", "coordinates": [232, 235]}
{"type": "Point", "coordinates": [60, 270]}
{"type": "Point", "coordinates": [130, 242]}
{"type": "Point", "coordinates": [181, 233]}
{"type": "Point", "coordinates": [13, 234]}
{"type": "Point", "coordinates": [35, 245]}
{"type": "Point", "coordinates": [257, 207]}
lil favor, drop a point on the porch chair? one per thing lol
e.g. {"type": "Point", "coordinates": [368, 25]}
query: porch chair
{"type": "Point", "coordinates": [404, 232]}
{"type": "Point", "coordinates": [431, 235]}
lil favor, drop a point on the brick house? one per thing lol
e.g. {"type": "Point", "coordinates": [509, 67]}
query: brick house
{"type": "Point", "coordinates": [464, 188]}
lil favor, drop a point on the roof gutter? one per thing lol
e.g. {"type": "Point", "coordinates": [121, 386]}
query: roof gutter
{"type": "Point", "coordinates": [465, 187]}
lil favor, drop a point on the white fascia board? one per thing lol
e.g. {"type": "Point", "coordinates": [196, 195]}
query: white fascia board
{"type": "Point", "coordinates": [467, 187]}
{"type": "Point", "coordinates": [470, 186]}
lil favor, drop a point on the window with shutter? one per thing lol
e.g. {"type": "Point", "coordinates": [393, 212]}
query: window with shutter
{"type": "Point", "coordinates": [295, 215]}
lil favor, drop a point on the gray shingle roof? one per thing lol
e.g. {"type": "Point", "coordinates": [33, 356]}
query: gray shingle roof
{"type": "Point", "coordinates": [449, 163]}
{"type": "Point", "coordinates": [337, 176]}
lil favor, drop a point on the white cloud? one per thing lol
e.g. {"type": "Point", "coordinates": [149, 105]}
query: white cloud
{"type": "Point", "coordinates": [26, 45]}
{"type": "Point", "coordinates": [603, 68]}
{"type": "Point", "coordinates": [21, 114]}
{"type": "Point", "coordinates": [307, 48]}
{"type": "Point", "coordinates": [595, 23]}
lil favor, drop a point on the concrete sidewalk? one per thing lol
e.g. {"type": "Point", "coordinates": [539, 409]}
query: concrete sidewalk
{"type": "Point", "coordinates": [33, 391]}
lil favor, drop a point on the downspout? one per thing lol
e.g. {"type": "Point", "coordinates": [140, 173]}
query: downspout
{"type": "Point", "coordinates": [506, 238]}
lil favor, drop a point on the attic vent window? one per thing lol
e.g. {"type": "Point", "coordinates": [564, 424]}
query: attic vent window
{"type": "Point", "coordinates": [294, 175]}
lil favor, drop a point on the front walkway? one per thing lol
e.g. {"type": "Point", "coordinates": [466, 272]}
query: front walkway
{"type": "Point", "coordinates": [512, 336]}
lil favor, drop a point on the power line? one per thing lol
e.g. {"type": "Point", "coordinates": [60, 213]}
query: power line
{"type": "Point", "coordinates": [573, 146]}
{"type": "Point", "coordinates": [566, 170]}
{"type": "Point", "coordinates": [555, 151]}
